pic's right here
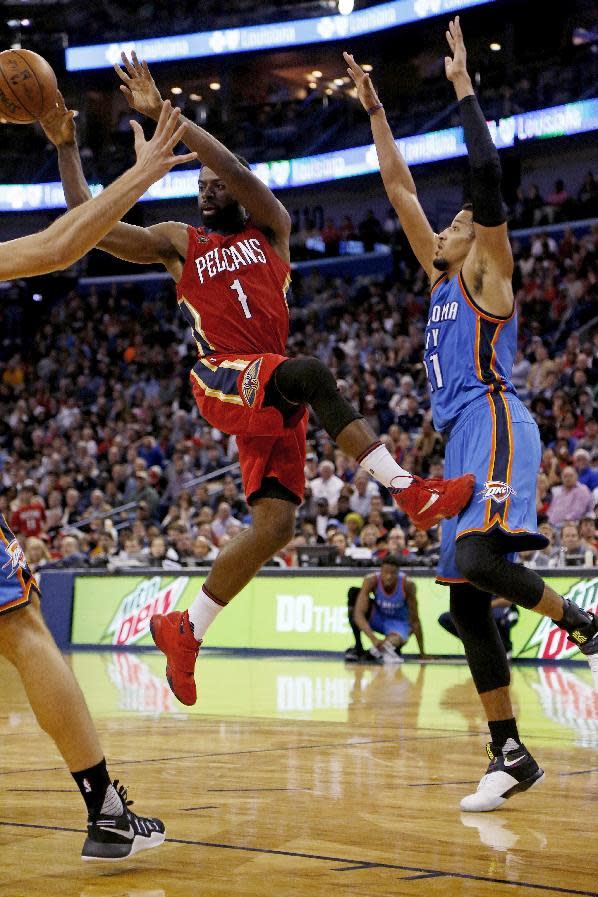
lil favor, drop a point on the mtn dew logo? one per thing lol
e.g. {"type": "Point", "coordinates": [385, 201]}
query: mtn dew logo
{"type": "Point", "coordinates": [130, 622]}
{"type": "Point", "coordinates": [551, 642]}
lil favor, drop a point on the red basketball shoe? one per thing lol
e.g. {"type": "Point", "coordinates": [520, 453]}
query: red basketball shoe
{"type": "Point", "coordinates": [427, 502]}
{"type": "Point", "coordinates": [173, 635]}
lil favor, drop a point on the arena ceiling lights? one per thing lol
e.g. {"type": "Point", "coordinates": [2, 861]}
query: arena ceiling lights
{"type": "Point", "coordinates": [265, 37]}
{"type": "Point", "coordinates": [435, 146]}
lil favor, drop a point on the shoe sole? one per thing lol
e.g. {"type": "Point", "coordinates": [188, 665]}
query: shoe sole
{"type": "Point", "coordinates": [501, 799]}
{"type": "Point", "coordinates": [168, 676]}
{"type": "Point", "coordinates": [592, 659]}
{"type": "Point", "coordinates": [139, 844]}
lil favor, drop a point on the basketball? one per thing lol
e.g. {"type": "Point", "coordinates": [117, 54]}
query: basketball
{"type": "Point", "coordinates": [27, 86]}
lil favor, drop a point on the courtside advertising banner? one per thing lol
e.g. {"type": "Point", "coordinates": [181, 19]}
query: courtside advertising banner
{"type": "Point", "coordinates": [295, 613]}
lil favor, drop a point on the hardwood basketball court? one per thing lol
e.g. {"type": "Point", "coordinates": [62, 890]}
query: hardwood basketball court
{"type": "Point", "coordinates": [305, 778]}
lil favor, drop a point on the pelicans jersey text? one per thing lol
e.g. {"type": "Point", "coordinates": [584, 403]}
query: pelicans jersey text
{"type": "Point", "coordinates": [232, 293]}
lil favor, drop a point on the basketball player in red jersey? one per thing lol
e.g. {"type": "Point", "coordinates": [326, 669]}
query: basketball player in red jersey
{"type": "Point", "coordinates": [232, 276]}
{"type": "Point", "coordinates": [114, 832]}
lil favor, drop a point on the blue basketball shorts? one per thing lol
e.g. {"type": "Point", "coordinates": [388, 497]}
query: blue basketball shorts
{"type": "Point", "coordinates": [498, 441]}
{"type": "Point", "coordinates": [16, 579]}
{"type": "Point", "coordinates": [387, 625]}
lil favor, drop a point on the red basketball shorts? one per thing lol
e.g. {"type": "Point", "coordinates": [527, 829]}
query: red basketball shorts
{"type": "Point", "coordinates": [229, 391]}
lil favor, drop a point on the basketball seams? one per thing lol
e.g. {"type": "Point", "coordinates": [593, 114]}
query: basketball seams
{"type": "Point", "coordinates": [37, 81]}
{"type": "Point", "coordinates": [16, 99]}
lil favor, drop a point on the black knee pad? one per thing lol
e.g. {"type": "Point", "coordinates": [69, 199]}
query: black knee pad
{"type": "Point", "coordinates": [480, 558]}
{"type": "Point", "coordinates": [471, 612]}
{"type": "Point", "coordinates": [307, 381]}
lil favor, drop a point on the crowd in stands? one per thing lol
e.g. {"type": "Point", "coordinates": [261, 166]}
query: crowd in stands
{"type": "Point", "coordinates": [277, 118]}
{"type": "Point", "coordinates": [315, 234]}
{"type": "Point", "coordinates": [97, 414]}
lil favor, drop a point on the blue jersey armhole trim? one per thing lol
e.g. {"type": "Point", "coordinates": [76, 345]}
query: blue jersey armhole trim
{"type": "Point", "coordinates": [477, 308]}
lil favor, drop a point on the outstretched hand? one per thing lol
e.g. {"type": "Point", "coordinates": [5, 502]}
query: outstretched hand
{"type": "Point", "coordinates": [138, 86]}
{"type": "Point", "coordinates": [155, 157]}
{"type": "Point", "coordinates": [362, 81]}
{"type": "Point", "coordinates": [59, 124]}
{"type": "Point", "coordinates": [456, 66]}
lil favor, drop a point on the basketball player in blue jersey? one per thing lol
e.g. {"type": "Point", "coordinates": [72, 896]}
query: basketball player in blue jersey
{"type": "Point", "coordinates": [471, 339]}
{"type": "Point", "coordinates": [394, 613]}
{"type": "Point", "coordinates": [114, 832]}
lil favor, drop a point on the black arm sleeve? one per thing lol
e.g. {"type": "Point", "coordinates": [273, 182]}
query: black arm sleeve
{"type": "Point", "coordinates": [484, 163]}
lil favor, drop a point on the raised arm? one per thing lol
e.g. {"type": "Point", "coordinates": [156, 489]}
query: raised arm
{"type": "Point", "coordinates": [398, 183]}
{"type": "Point", "coordinates": [265, 210]}
{"type": "Point", "coordinates": [360, 611]}
{"type": "Point", "coordinates": [161, 243]}
{"type": "Point", "coordinates": [78, 231]}
{"type": "Point", "coordinates": [491, 251]}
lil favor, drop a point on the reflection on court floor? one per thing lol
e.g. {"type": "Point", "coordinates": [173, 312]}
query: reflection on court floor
{"type": "Point", "coordinates": [552, 700]}
{"type": "Point", "coordinates": [298, 777]}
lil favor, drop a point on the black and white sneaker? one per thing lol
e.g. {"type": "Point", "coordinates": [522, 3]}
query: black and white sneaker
{"type": "Point", "coordinates": [353, 655]}
{"type": "Point", "coordinates": [116, 837]}
{"type": "Point", "coordinates": [508, 773]}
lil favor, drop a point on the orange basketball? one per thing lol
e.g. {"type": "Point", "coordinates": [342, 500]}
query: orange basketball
{"type": "Point", "coordinates": [27, 86]}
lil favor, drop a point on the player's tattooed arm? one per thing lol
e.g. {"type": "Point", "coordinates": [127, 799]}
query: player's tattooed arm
{"type": "Point", "coordinates": [266, 212]}
{"type": "Point", "coordinates": [398, 182]}
{"type": "Point", "coordinates": [162, 243]}
{"type": "Point", "coordinates": [75, 233]}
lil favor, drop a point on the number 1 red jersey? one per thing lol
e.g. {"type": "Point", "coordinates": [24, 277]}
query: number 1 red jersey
{"type": "Point", "coordinates": [233, 292]}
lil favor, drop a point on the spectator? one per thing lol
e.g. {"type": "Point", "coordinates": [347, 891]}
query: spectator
{"type": "Point", "coordinates": [327, 485]}
{"type": "Point", "coordinates": [204, 552]}
{"type": "Point", "coordinates": [29, 516]}
{"type": "Point", "coordinates": [146, 494]}
{"type": "Point", "coordinates": [588, 533]}
{"type": "Point", "coordinates": [36, 553]}
{"type": "Point", "coordinates": [586, 475]}
{"type": "Point", "coordinates": [571, 501]}
{"type": "Point", "coordinates": [161, 555]}
{"type": "Point", "coordinates": [545, 557]}
{"type": "Point", "coordinates": [151, 452]}
{"type": "Point", "coordinates": [424, 551]}
{"type": "Point", "coordinates": [70, 553]}
{"type": "Point", "coordinates": [365, 489]}
{"type": "Point", "coordinates": [222, 519]}
{"type": "Point", "coordinates": [131, 555]}
{"type": "Point", "coordinates": [573, 552]}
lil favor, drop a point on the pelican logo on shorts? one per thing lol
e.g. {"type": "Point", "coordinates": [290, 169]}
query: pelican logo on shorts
{"type": "Point", "coordinates": [16, 559]}
{"type": "Point", "coordinates": [496, 491]}
{"type": "Point", "coordinates": [251, 382]}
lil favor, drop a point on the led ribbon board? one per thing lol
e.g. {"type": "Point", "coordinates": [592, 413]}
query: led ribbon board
{"type": "Point", "coordinates": [435, 146]}
{"type": "Point", "coordinates": [265, 37]}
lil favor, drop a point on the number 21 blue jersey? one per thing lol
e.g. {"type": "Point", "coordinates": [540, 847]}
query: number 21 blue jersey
{"type": "Point", "coordinates": [469, 353]}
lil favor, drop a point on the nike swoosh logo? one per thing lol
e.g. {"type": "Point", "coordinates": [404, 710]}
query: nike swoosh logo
{"type": "Point", "coordinates": [515, 761]}
{"type": "Point", "coordinates": [129, 835]}
{"type": "Point", "coordinates": [432, 500]}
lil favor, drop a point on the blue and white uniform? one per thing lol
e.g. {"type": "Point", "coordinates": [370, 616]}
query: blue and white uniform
{"type": "Point", "coordinates": [390, 612]}
{"type": "Point", "coordinates": [16, 579]}
{"type": "Point", "coordinates": [469, 358]}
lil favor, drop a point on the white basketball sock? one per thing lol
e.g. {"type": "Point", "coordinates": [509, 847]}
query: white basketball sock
{"type": "Point", "coordinates": [378, 461]}
{"type": "Point", "coordinates": [203, 612]}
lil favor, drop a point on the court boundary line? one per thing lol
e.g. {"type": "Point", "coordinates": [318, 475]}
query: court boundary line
{"type": "Point", "coordinates": [421, 871]}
